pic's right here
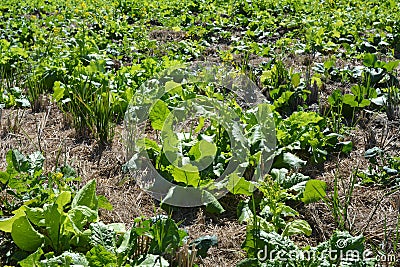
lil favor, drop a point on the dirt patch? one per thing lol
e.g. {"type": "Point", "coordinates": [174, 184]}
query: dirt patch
{"type": "Point", "coordinates": [164, 36]}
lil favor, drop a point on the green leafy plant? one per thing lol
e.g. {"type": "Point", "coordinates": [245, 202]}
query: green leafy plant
{"type": "Point", "coordinates": [92, 56]}
{"type": "Point", "coordinates": [25, 180]}
{"type": "Point", "coordinates": [269, 213]}
{"type": "Point", "coordinates": [382, 170]}
{"type": "Point", "coordinates": [305, 133]}
{"type": "Point", "coordinates": [285, 88]}
{"type": "Point", "coordinates": [59, 225]}
{"type": "Point", "coordinates": [197, 153]}
{"type": "Point", "coordinates": [340, 250]}
{"type": "Point", "coordinates": [336, 120]}
{"type": "Point", "coordinates": [54, 223]}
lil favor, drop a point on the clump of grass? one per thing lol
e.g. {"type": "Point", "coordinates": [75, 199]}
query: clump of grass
{"type": "Point", "coordinates": [103, 117]}
{"type": "Point", "coordinates": [91, 108]}
{"type": "Point", "coordinates": [36, 94]}
{"type": "Point", "coordinates": [393, 104]}
{"type": "Point", "coordinates": [81, 95]}
{"type": "Point", "coordinates": [338, 205]}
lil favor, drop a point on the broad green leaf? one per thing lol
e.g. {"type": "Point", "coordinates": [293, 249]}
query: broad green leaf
{"type": "Point", "coordinates": [58, 93]}
{"type": "Point", "coordinates": [86, 196]}
{"type": "Point", "coordinates": [158, 114]}
{"type": "Point", "coordinates": [296, 79]}
{"type": "Point", "coordinates": [356, 90]}
{"type": "Point", "coordinates": [149, 144]}
{"type": "Point", "coordinates": [364, 103]}
{"type": "Point", "coordinates": [167, 234]}
{"type": "Point", "coordinates": [68, 171]}
{"type": "Point", "coordinates": [292, 180]}
{"type": "Point", "coordinates": [96, 66]}
{"type": "Point", "coordinates": [36, 161]}
{"type": "Point", "coordinates": [32, 260]}
{"type": "Point", "coordinates": [9, 159]}
{"type": "Point", "coordinates": [255, 239]}
{"type": "Point", "coordinates": [103, 235]}
{"type": "Point", "coordinates": [213, 205]}
{"type": "Point", "coordinates": [329, 64]}
{"type": "Point", "coordinates": [347, 146]}
{"type": "Point", "coordinates": [36, 216]}
{"type": "Point", "coordinates": [379, 101]}
{"type": "Point", "coordinates": [23, 102]}
{"type": "Point", "coordinates": [288, 160]}
{"type": "Point", "coordinates": [203, 244]}
{"type": "Point", "coordinates": [302, 118]}
{"type": "Point", "coordinates": [20, 162]}
{"type": "Point", "coordinates": [370, 60]}
{"type": "Point", "coordinates": [4, 177]}
{"type": "Point", "coordinates": [297, 227]}
{"type": "Point", "coordinates": [63, 199]}
{"type": "Point", "coordinates": [170, 85]}
{"type": "Point", "coordinates": [265, 225]}
{"type": "Point", "coordinates": [6, 224]}
{"type": "Point", "coordinates": [350, 100]}
{"type": "Point", "coordinates": [335, 98]}
{"type": "Point", "coordinates": [343, 241]}
{"type": "Point", "coordinates": [200, 125]}
{"type": "Point", "coordinates": [203, 149]}
{"type": "Point", "coordinates": [119, 228]}
{"type": "Point", "coordinates": [54, 220]}
{"type": "Point", "coordinates": [283, 98]}
{"type": "Point", "coordinates": [316, 80]}
{"type": "Point", "coordinates": [171, 144]}
{"type": "Point", "coordinates": [81, 216]}
{"type": "Point", "coordinates": [287, 211]}
{"type": "Point", "coordinates": [25, 236]}
{"type": "Point", "coordinates": [104, 203]}
{"type": "Point", "coordinates": [244, 212]}
{"type": "Point", "coordinates": [187, 174]}
{"type": "Point", "coordinates": [75, 238]}
{"type": "Point", "coordinates": [240, 186]}
{"type": "Point", "coordinates": [251, 243]}
{"type": "Point", "coordinates": [390, 171]}
{"type": "Point", "coordinates": [127, 240]}
{"type": "Point", "coordinates": [257, 135]}
{"type": "Point", "coordinates": [371, 93]}
{"type": "Point", "coordinates": [391, 65]}
{"type": "Point", "coordinates": [373, 152]}
{"type": "Point", "coordinates": [279, 175]}
{"type": "Point", "coordinates": [314, 191]}
{"type": "Point", "coordinates": [237, 134]}
{"type": "Point", "coordinates": [66, 259]}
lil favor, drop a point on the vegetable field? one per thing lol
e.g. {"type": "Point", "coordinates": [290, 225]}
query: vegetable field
{"type": "Point", "coordinates": [199, 133]}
